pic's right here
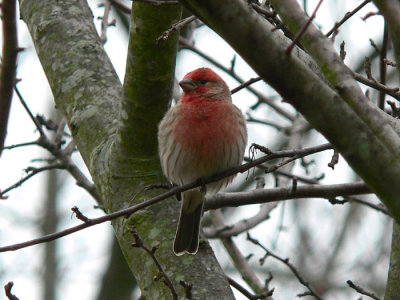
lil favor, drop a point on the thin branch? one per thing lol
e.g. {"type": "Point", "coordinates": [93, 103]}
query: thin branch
{"type": "Point", "coordinates": [389, 62]}
{"type": "Point", "coordinates": [245, 84]}
{"type": "Point", "coordinates": [271, 16]}
{"type": "Point", "coordinates": [176, 27]}
{"type": "Point", "coordinates": [245, 224]}
{"type": "Point", "coordinates": [371, 14]}
{"type": "Point", "coordinates": [377, 207]}
{"type": "Point", "coordinates": [176, 190]}
{"type": "Point", "coordinates": [187, 286]}
{"type": "Point", "coordinates": [334, 160]}
{"type": "Point", "coordinates": [298, 36]}
{"type": "Point", "coordinates": [300, 178]}
{"type": "Point", "coordinates": [9, 64]}
{"type": "Point", "coordinates": [347, 16]}
{"type": "Point", "coordinates": [392, 91]}
{"type": "Point", "coordinates": [245, 292]}
{"type": "Point", "coordinates": [361, 290]}
{"type": "Point", "coordinates": [34, 120]}
{"type": "Point", "coordinates": [63, 156]}
{"type": "Point", "coordinates": [21, 145]}
{"type": "Point", "coordinates": [7, 289]}
{"type": "Point", "coordinates": [259, 196]}
{"type": "Point", "coordinates": [239, 260]}
{"type": "Point", "coordinates": [241, 226]}
{"type": "Point", "coordinates": [287, 263]}
{"type": "Point", "coordinates": [139, 244]}
{"type": "Point", "coordinates": [104, 21]}
{"type": "Point", "coordinates": [77, 174]}
{"type": "Point", "coordinates": [251, 119]}
{"type": "Point", "coordinates": [383, 66]}
{"type": "Point", "coordinates": [32, 172]}
{"type": "Point", "coordinates": [79, 215]}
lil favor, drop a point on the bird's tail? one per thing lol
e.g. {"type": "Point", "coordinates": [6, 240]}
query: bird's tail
{"type": "Point", "coordinates": [187, 234]}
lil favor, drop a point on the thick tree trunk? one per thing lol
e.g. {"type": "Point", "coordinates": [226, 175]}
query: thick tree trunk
{"type": "Point", "coordinates": [116, 134]}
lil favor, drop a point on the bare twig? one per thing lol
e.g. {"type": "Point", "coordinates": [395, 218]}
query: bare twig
{"type": "Point", "coordinates": [104, 21]}
{"type": "Point", "coordinates": [395, 109]}
{"type": "Point", "coordinates": [377, 207]}
{"type": "Point", "coordinates": [176, 190]}
{"type": "Point", "coordinates": [271, 16]}
{"type": "Point", "coordinates": [9, 64]}
{"type": "Point", "coordinates": [300, 178]}
{"type": "Point", "coordinates": [245, 84]}
{"type": "Point", "coordinates": [31, 172]}
{"type": "Point", "coordinates": [245, 292]}
{"type": "Point", "coordinates": [334, 161]}
{"type": "Point", "coordinates": [392, 91]}
{"type": "Point", "coordinates": [361, 290]}
{"type": "Point", "coordinates": [277, 126]}
{"type": "Point", "coordinates": [138, 243]}
{"type": "Point", "coordinates": [7, 289]}
{"type": "Point", "coordinates": [239, 260]}
{"type": "Point", "coordinates": [300, 34]}
{"type": "Point", "coordinates": [347, 16]}
{"type": "Point", "coordinates": [287, 263]}
{"type": "Point", "coordinates": [259, 196]}
{"type": "Point", "coordinates": [34, 120]}
{"type": "Point", "coordinates": [245, 224]}
{"type": "Point", "coordinates": [187, 286]}
{"type": "Point", "coordinates": [79, 215]}
{"type": "Point", "coordinates": [383, 67]}
{"type": "Point", "coordinates": [342, 51]}
{"type": "Point", "coordinates": [175, 27]}
{"type": "Point", "coordinates": [54, 147]}
{"type": "Point", "coordinates": [241, 226]}
{"type": "Point", "coordinates": [77, 174]}
{"type": "Point", "coordinates": [389, 62]}
{"type": "Point", "coordinates": [370, 14]}
{"type": "Point", "coordinates": [20, 145]}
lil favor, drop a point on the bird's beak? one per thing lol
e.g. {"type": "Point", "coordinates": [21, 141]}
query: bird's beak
{"type": "Point", "coordinates": [187, 85]}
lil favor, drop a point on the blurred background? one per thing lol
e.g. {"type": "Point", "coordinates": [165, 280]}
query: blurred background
{"type": "Point", "coordinates": [328, 244]}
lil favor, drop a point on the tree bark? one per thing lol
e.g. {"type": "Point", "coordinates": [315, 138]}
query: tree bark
{"type": "Point", "coordinates": [115, 129]}
{"type": "Point", "coordinates": [366, 137]}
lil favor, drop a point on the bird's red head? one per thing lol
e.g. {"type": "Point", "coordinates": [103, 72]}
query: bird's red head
{"type": "Point", "coordinates": [204, 84]}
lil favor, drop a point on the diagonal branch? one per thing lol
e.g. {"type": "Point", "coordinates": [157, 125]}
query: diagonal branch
{"type": "Point", "coordinates": [176, 190]}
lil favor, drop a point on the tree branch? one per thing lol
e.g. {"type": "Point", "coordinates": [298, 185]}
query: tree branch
{"type": "Point", "coordinates": [371, 119]}
{"type": "Point", "coordinates": [361, 290]}
{"type": "Point", "coordinates": [8, 64]}
{"type": "Point", "coordinates": [239, 260]}
{"type": "Point", "coordinates": [288, 264]}
{"type": "Point", "coordinates": [347, 16]}
{"type": "Point", "coordinates": [355, 121]}
{"type": "Point", "coordinates": [171, 192]}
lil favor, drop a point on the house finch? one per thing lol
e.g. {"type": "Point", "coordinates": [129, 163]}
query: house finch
{"type": "Point", "coordinates": [200, 136]}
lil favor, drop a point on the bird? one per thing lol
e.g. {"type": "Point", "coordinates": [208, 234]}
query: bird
{"type": "Point", "coordinates": [203, 134]}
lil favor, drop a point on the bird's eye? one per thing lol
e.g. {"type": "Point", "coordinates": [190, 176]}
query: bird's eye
{"type": "Point", "coordinates": [203, 81]}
